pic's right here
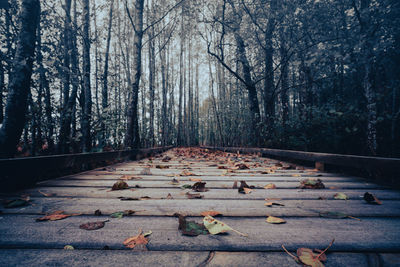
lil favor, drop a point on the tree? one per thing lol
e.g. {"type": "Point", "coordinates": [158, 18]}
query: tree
{"type": "Point", "coordinates": [19, 86]}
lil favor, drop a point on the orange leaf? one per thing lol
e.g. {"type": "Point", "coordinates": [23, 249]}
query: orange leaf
{"type": "Point", "coordinates": [195, 179]}
{"type": "Point", "coordinates": [211, 213]}
{"type": "Point", "coordinates": [134, 241]}
{"type": "Point", "coordinates": [55, 216]}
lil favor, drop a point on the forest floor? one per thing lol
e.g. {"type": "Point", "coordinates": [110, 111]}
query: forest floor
{"type": "Point", "coordinates": [156, 212]}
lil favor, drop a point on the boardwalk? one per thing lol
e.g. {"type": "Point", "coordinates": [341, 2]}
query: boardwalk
{"type": "Point", "coordinates": [373, 240]}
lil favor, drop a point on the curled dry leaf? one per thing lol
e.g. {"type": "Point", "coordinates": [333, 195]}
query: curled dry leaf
{"type": "Point", "coordinates": [222, 167]}
{"type": "Point", "coordinates": [371, 199]}
{"type": "Point", "coordinates": [120, 185]}
{"type": "Point", "coordinates": [190, 228]}
{"type": "Point", "coordinates": [162, 166]}
{"type": "Point", "coordinates": [241, 166]}
{"type": "Point", "coordinates": [93, 225]}
{"type": "Point", "coordinates": [270, 204]}
{"type": "Point", "coordinates": [55, 216]}
{"type": "Point", "coordinates": [212, 213]}
{"type": "Point", "coordinates": [15, 203]}
{"type": "Point", "coordinates": [128, 198]}
{"type": "Point", "coordinates": [186, 186]}
{"type": "Point", "coordinates": [169, 196]}
{"type": "Point", "coordinates": [193, 196]}
{"type": "Point", "coordinates": [235, 185]}
{"type": "Point", "coordinates": [138, 241]}
{"type": "Point", "coordinates": [195, 179]}
{"type": "Point", "coordinates": [216, 227]}
{"type": "Point", "coordinates": [270, 186]}
{"type": "Point", "coordinates": [275, 220]}
{"type": "Point", "coordinates": [341, 196]}
{"type": "Point", "coordinates": [129, 177]}
{"type": "Point", "coordinates": [245, 188]}
{"type": "Point", "coordinates": [46, 194]}
{"type": "Point", "coordinates": [68, 247]}
{"type": "Point", "coordinates": [311, 184]}
{"type": "Point", "coordinates": [174, 182]}
{"type": "Point", "coordinates": [187, 173]}
{"type": "Point", "coordinates": [97, 213]}
{"type": "Point", "coordinates": [199, 187]}
{"type": "Point", "coordinates": [166, 159]}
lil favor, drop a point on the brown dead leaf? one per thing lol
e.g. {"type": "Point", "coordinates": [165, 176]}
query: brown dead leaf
{"type": "Point", "coordinates": [55, 216]}
{"type": "Point", "coordinates": [212, 213]}
{"type": "Point", "coordinates": [270, 204]}
{"type": "Point", "coordinates": [145, 171]}
{"type": "Point", "coordinates": [199, 187]}
{"type": "Point", "coordinates": [187, 173]}
{"type": "Point", "coordinates": [93, 225]}
{"type": "Point", "coordinates": [371, 199]}
{"type": "Point", "coordinates": [139, 241]}
{"type": "Point", "coordinates": [129, 177]}
{"type": "Point", "coordinates": [166, 159]}
{"type": "Point", "coordinates": [162, 166]}
{"type": "Point", "coordinates": [241, 166]}
{"type": "Point", "coordinates": [169, 196]}
{"type": "Point", "coordinates": [311, 184]}
{"type": "Point", "coordinates": [245, 188]}
{"type": "Point", "coordinates": [120, 185]}
{"type": "Point", "coordinates": [195, 179]}
{"type": "Point", "coordinates": [47, 194]}
{"type": "Point", "coordinates": [193, 196]}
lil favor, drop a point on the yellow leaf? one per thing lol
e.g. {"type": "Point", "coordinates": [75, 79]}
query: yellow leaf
{"type": "Point", "coordinates": [270, 186]}
{"type": "Point", "coordinates": [216, 227]}
{"type": "Point", "coordinates": [274, 220]}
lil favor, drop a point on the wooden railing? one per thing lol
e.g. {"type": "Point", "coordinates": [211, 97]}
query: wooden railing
{"type": "Point", "coordinates": [24, 172]}
{"type": "Point", "coordinates": [387, 169]}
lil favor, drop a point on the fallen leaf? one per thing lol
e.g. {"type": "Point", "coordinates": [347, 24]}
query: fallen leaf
{"type": "Point", "coordinates": [166, 159]}
{"type": "Point", "coordinates": [269, 199]}
{"type": "Point", "coordinates": [187, 173]}
{"type": "Point", "coordinates": [216, 227]}
{"type": "Point", "coordinates": [195, 179]}
{"type": "Point", "coordinates": [270, 204]}
{"type": "Point", "coordinates": [162, 166]}
{"type": "Point", "coordinates": [371, 199]}
{"type": "Point", "coordinates": [222, 167]}
{"type": "Point", "coordinates": [120, 185]}
{"type": "Point", "coordinates": [129, 212]}
{"type": "Point", "coordinates": [169, 196]}
{"type": "Point", "coordinates": [245, 188]}
{"type": "Point", "coordinates": [241, 166]}
{"type": "Point", "coordinates": [93, 225]}
{"type": "Point", "coordinates": [311, 184]}
{"type": "Point", "coordinates": [211, 213]}
{"type": "Point", "coordinates": [186, 186]}
{"type": "Point", "coordinates": [129, 177]}
{"type": "Point", "coordinates": [308, 257]}
{"type": "Point", "coordinates": [55, 216]}
{"type": "Point", "coordinates": [193, 196]}
{"type": "Point", "coordinates": [235, 185]}
{"type": "Point", "coordinates": [270, 186]}
{"type": "Point", "coordinates": [128, 198]}
{"type": "Point", "coordinates": [174, 182]}
{"type": "Point", "coordinates": [275, 220]}
{"type": "Point", "coordinates": [190, 228]}
{"type": "Point", "coordinates": [117, 215]}
{"type": "Point", "coordinates": [199, 187]}
{"type": "Point", "coordinates": [296, 175]}
{"type": "Point", "coordinates": [46, 194]}
{"type": "Point", "coordinates": [15, 203]}
{"type": "Point", "coordinates": [68, 247]}
{"type": "Point", "coordinates": [341, 196]}
{"type": "Point", "coordinates": [139, 240]}
{"type": "Point", "coordinates": [145, 197]}
{"type": "Point", "coordinates": [97, 212]}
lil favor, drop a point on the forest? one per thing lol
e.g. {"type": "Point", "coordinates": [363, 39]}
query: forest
{"type": "Point", "coordinates": [91, 76]}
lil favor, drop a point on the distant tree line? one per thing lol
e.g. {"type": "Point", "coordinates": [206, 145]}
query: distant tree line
{"type": "Point", "coordinates": [81, 76]}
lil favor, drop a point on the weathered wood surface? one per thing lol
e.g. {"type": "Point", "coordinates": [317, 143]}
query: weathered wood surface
{"type": "Point", "coordinates": [373, 241]}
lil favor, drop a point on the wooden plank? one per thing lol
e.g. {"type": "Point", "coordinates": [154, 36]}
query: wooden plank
{"type": "Point", "coordinates": [293, 194]}
{"type": "Point", "coordinates": [35, 169]}
{"type": "Point", "coordinates": [122, 258]}
{"type": "Point", "coordinates": [213, 178]}
{"type": "Point", "coordinates": [21, 231]}
{"type": "Point", "coordinates": [242, 207]}
{"type": "Point", "coordinates": [211, 184]}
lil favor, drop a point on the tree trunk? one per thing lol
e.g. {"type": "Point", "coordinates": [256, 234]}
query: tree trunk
{"type": "Point", "coordinates": [19, 86]}
{"type": "Point", "coordinates": [132, 135]}
{"type": "Point", "coordinates": [152, 75]}
{"type": "Point", "coordinates": [87, 106]}
{"type": "Point", "coordinates": [104, 102]}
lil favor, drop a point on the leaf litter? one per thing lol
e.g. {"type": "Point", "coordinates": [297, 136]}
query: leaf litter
{"type": "Point", "coordinates": [55, 216]}
{"type": "Point", "coordinates": [217, 227]}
